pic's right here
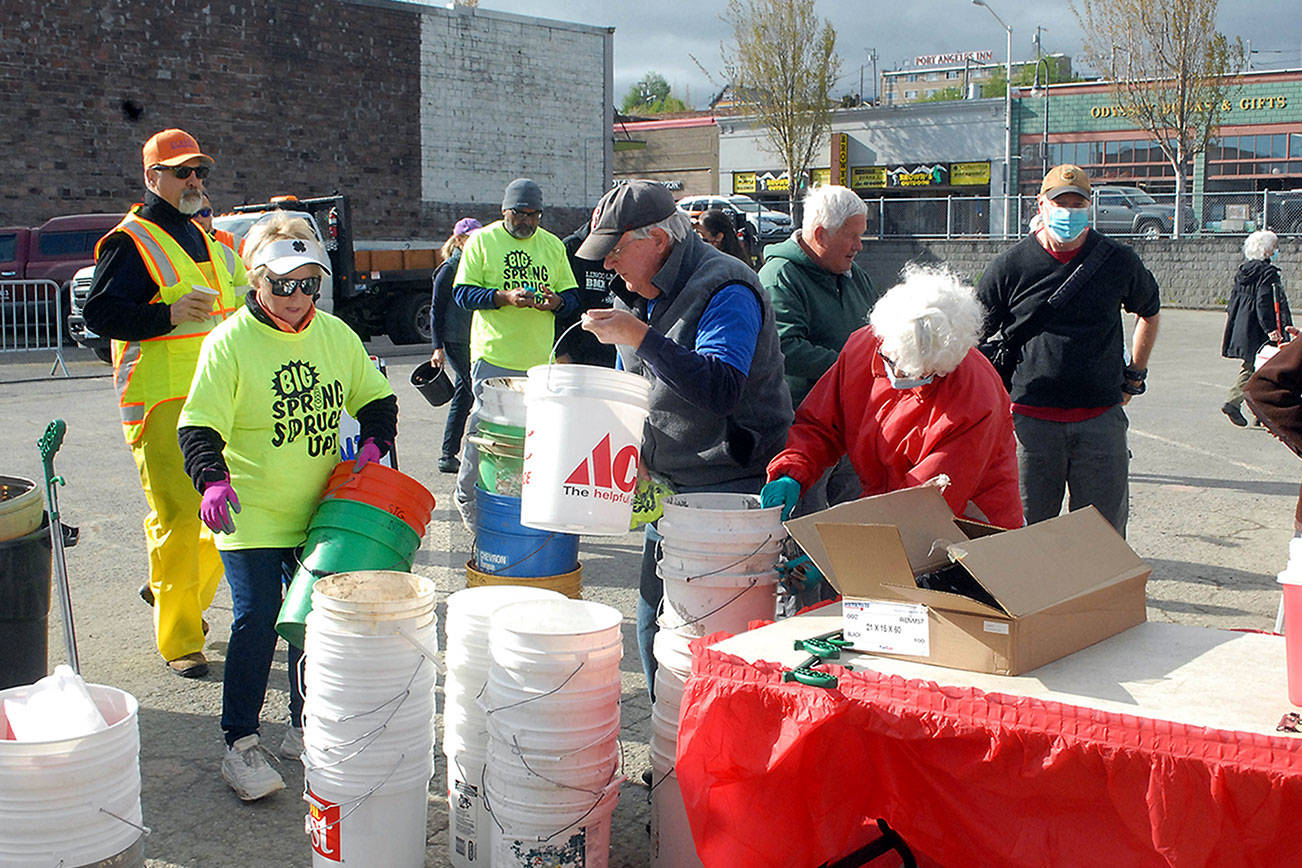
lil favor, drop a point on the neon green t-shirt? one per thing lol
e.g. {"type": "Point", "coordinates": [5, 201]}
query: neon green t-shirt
{"type": "Point", "coordinates": [275, 398]}
{"type": "Point", "coordinates": [514, 337]}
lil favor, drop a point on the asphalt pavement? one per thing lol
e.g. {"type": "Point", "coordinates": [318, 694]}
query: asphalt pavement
{"type": "Point", "coordinates": [1211, 511]}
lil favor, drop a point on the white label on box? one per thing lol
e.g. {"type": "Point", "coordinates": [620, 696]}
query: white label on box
{"type": "Point", "coordinates": [887, 628]}
{"type": "Point", "coordinates": [996, 627]}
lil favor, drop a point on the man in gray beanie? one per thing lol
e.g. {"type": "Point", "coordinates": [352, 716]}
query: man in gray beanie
{"type": "Point", "coordinates": [516, 278]}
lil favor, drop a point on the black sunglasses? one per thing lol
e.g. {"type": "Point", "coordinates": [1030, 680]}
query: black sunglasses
{"type": "Point", "coordinates": [183, 172]}
{"type": "Point", "coordinates": [203, 212]}
{"type": "Point", "coordinates": [287, 286]}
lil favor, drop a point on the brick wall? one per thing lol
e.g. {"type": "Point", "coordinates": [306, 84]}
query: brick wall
{"type": "Point", "coordinates": [1197, 273]}
{"type": "Point", "coordinates": [687, 155]}
{"type": "Point", "coordinates": [296, 96]}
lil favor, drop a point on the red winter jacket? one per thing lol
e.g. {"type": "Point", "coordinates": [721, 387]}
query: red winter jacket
{"type": "Point", "coordinates": [960, 425]}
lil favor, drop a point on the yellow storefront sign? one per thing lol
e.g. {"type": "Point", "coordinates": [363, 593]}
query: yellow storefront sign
{"type": "Point", "coordinates": [743, 182]}
{"type": "Point", "coordinates": [820, 177]}
{"type": "Point", "coordinates": [969, 174]}
{"type": "Point", "coordinates": [867, 176]}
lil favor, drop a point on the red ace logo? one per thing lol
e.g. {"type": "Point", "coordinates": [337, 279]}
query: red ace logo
{"type": "Point", "coordinates": [323, 826]}
{"type": "Point", "coordinates": [600, 476]}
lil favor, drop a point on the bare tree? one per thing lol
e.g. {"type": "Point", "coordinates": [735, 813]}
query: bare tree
{"type": "Point", "coordinates": [783, 64]}
{"type": "Point", "coordinates": [1168, 65]}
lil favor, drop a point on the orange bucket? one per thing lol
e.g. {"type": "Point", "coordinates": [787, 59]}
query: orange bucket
{"type": "Point", "coordinates": [383, 487]}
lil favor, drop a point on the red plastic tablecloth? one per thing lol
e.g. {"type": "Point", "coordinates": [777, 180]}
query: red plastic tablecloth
{"type": "Point", "coordinates": [790, 775]}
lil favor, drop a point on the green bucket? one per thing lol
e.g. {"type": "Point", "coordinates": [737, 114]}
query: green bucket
{"type": "Point", "coordinates": [344, 535]}
{"type": "Point", "coordinates": [501, 457]}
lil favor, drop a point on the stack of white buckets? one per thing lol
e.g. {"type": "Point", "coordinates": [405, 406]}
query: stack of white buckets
{"type": "Point", "coordinates": [368, 717]}
{"type": "Point", "coordinates": [465, 725]}
{"type": "Point", "coordinates": [718, 561]}
{"type": "Point", "coordinates": [552, 701]}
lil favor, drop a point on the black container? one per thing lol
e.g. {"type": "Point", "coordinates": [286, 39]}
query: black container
{"type": "Point", "coordinates": [433, 384]}
{"type": "Point", "coordinates": [25, 566]}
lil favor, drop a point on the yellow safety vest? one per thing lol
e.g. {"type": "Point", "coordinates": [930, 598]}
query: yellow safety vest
{"type": "Point", "coordinates": [148, 372]}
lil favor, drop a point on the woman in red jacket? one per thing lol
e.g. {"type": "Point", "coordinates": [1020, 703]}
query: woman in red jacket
{"type": "Point", "coordinates": [911, 400]}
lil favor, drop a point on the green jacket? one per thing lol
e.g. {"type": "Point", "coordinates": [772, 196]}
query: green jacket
{"type": "Point", "coordinates": [816, 311]}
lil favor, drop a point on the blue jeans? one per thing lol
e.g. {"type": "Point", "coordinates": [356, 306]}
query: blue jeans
{"type": "Point", "coordinates": [459, 407]}
{"type": "Point", "coordinates": [1089, 460]}
{"type": "Point", "coordinates": [257, 578]}
{"type": "Point", "coordinates": [651, 588]}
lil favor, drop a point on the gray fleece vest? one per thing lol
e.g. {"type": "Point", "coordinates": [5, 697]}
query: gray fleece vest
{"type": "Point", "coordinates": [686, 444]}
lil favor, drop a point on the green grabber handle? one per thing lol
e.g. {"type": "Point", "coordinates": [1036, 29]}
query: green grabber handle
{"type": "Point", "coordinates": [821, 648]}
{"type": "Point", "coordinates": [49, 445]}
{"type": "Point", "coordinates": [811, 677]}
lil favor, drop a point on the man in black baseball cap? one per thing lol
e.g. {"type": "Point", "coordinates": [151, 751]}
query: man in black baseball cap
{"type": "Point", "coordinates": [697, 324]}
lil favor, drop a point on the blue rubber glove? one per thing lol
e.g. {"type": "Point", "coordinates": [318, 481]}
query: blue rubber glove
{"type": "Point", "coordinates": [813, 575]}
{"type": "Point", "coordinates": [783, 491]}
{"type": "Point", "coordinates": [368, 453]}
{"type": "Point", "coordinates": [218, 502]}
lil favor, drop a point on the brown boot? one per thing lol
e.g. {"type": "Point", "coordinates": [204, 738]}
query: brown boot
{"type": "Point", "coordinates": [193, 665]}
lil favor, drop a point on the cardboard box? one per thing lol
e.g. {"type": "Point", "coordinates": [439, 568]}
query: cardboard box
{"type": "Point", "coordinates": [1051, 588]}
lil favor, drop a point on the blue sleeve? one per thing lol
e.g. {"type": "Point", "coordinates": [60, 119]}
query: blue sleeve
{"type": "Point", "coordinates": [711, 374]}
{"type": "Point", "coordinates": [473, 297]}
{"type": "Point", "coordinates": [442, 297]}
{"type": "Point", "coordinates": [569, 302]}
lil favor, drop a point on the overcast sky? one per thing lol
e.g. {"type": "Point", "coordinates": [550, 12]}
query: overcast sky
{"type": "Point", "coordinates": [664, 35]}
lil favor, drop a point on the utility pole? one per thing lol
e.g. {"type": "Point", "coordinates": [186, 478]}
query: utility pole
{"type": "Point", "coordinates": [872, 55]}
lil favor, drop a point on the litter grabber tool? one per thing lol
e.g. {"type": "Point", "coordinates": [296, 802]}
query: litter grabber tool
{"type": "Point", "coordinates": [49, 445]}
{"type": "Point", "coordinates": [821, 648]}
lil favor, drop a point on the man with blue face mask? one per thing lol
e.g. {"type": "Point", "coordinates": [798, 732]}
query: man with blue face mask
{"type": "Point", "coordinates": [1053, 324]}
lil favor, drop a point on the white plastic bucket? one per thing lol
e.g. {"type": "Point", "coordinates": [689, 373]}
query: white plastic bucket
{"type": "Point", "coordinates": [722, 558]}
{"type": "Point", "coordinates": [671, 834]}
{"type": "Point", "coordinates": [468, 819]}
{"type": "Point", "coordinates": [719, 514]}
{"type": "Point", "coordinates": [561, 626]}
{"type": "Point", "coordinates": [669, 687]}
{"type": "Point", "coordinates": [710, 603]}
{"type": "Point", "coordinates": [531, 835]}
{"type": "Point", "coordinates": [582, 443]}
{"type": "Point", "coordinates": [470, 609]}
{"type": "Point", "coordinates": [563, 710]}
{"type": "Point", "coordinates": [52, 792]}
{"type": "Point", "coordinates": [365, 599]}
{"type": "Point", "coordinates": [383, 827]}
{"type": "Point", "coordinates": [501, 401]}
{"type": "Point", "coordinates": [582, 775]}
{"type": "Point", "coordinates": [672, 649]}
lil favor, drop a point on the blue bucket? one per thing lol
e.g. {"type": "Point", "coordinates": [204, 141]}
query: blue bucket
{"type": "Point", "coordinates": [504, 547]}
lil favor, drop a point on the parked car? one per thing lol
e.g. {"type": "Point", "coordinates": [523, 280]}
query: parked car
{"type": "Point", "coordinates": [1132, 211]}
{"type": "Point", "coordinates": [79, 290]}
{"type": "Point", "coordinates": [768, 225]}
{"type": "Point", "coordinates": [55, 251]}
{"type": "Point", "coordinates": [1284, 211]}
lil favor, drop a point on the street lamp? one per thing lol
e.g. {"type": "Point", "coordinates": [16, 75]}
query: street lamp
{"type": "Point", "coordinates": [1044, 141]}
{"type": "Point", "coordinates": [1008, 122]}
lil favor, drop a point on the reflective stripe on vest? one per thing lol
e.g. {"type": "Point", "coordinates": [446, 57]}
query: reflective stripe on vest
{"type": "Point", "coordinates": [150, 371]}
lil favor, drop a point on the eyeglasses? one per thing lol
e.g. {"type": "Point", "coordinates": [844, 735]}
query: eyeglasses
{"type": "Point", "coordinates": [203, 212]}
{"type": "Point", "coordinates": [183, 172]}
{"type": "Point", "coordinates": [531, 215]}
{"type": "Point", "coordinates": [287, 286]}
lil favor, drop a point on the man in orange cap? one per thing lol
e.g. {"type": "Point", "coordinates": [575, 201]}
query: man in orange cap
{"type": "Point", "coordinates": [160, 285]}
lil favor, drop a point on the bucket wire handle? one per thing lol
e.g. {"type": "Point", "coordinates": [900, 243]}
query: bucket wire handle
{"type": "Point", "coordinates": [540, 695]}
{"type": "Point", "coordinates": [742, 559]}
{"type": "Point", "coordinates": [483, 788]}
{"type": "Point", "coordinates": [519, 751]}
{"type": "Point", "coordinates": [357, 801]}
{"type": "Point", "coordinates": [375, 733]}
{"type": "Point", "coordinates": [143, 829]}
{"type": "Point", "coordinates": [734, 598]}
{"type": "Point", "coordinates": [426, 652]}
{"type": "Point", "coordinates": [542, 545]}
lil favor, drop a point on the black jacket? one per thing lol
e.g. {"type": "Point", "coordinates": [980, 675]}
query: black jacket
{"type": "Point", "coordinates": [1250, 315]}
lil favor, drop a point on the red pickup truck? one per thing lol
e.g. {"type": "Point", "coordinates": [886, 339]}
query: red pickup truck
{"type": "Point", "coordinates": [55, 250]}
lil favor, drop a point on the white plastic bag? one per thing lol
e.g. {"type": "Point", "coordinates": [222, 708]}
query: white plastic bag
{"type": "Point", "coordinates": [58, 706]}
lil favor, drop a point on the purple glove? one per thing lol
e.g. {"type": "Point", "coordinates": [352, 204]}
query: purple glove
{"type": "Point", "coordinates": [218, 501]}
{"type": "Point", "coordinates": [368, 453]}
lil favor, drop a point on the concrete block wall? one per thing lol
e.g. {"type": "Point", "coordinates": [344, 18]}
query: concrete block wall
{"type": "Point", "coordinates": [1192, 273]}
{"type": "Point", "coordinates": [504, 96]}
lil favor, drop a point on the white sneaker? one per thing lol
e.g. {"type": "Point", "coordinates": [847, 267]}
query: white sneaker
{"type": "Point", "coordinates": [291, 746]}
{"type": "Point", "coordinates": [246, 769]}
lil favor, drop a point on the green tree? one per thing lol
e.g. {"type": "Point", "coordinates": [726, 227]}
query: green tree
{"type": "Point", "coordinates": [783, 59]}
{"type": "Point", "coordinates": [1024, 76]}
{"type": "Point", "coordinates": [1171, 77]}
{"type": "Point", "coordinates": [651, 95]}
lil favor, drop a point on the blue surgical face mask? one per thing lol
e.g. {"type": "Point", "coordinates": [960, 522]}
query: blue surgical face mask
{"type": "Point", "coordinates": [899, 382]}
{"type": "Point", "coordinates": [1066, 224]}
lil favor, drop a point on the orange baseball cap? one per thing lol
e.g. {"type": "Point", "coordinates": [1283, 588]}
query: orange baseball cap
{"type": "Point", "coordinates": [172, 148]}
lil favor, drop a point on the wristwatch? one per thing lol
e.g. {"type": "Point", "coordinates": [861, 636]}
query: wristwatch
{"type": "Point", "coordinates": [1133, 380]}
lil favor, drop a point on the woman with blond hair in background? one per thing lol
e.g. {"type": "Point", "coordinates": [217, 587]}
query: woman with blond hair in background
{"type": "Point", "coordinates": [260, 436]}
{"type": "Point", "coordinates": [449, 325]}
{"type": "Point", "coordinates": [911, 400]}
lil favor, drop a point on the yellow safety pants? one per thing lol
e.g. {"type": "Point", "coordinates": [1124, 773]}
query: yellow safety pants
{"type": "Point", "coordinates": [184, 568]}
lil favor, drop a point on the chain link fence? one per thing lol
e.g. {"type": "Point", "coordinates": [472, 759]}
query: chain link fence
{"type": "Point", "coordinates": [1115, 210]}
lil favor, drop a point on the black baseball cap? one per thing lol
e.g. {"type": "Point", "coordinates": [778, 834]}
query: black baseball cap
{"type": "Point", "coordinates": [628, 206]}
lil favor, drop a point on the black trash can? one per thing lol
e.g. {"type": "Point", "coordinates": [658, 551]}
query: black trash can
{"type": "Point", "coordinates": [25, 566]}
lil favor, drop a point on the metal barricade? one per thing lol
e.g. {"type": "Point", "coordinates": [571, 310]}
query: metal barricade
{"type": "Point", "coordinates": [31, 319]}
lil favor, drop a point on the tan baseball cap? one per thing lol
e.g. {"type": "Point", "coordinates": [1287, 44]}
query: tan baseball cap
{"type": "Point", "coordinates": [1065, 179]}
{"type": "Point", "coordinates": [172, 148]}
